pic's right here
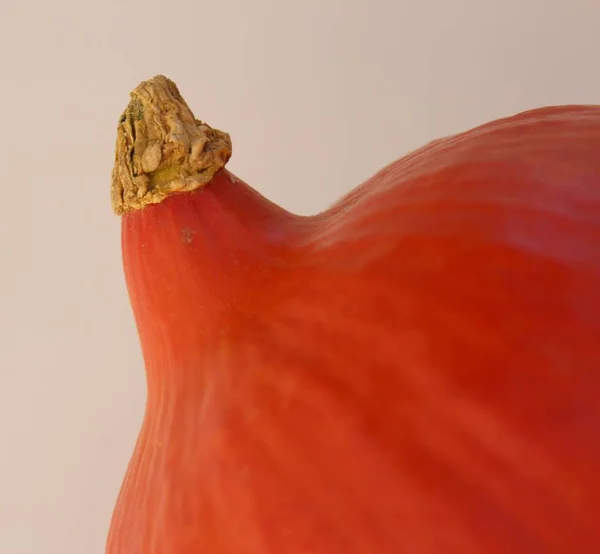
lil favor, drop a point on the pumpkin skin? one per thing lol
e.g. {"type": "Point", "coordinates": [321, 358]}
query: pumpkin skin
{"type": "Point", "coordinates": [415, 370]}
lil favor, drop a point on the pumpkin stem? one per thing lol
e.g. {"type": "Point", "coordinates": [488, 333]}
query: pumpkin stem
{"type": "Point", "coordinates": [162, 148]}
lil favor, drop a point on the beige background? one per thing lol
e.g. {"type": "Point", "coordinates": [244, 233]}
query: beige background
{"type": "Point", "coordinates": [332, 89]}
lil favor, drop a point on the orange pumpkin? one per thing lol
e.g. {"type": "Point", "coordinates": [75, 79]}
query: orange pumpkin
{"type": "Point", "coordinates": [416, 370]}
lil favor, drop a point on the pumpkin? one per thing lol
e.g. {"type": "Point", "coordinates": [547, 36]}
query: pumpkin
{"type": "Point", "coordinates": [415, 370]}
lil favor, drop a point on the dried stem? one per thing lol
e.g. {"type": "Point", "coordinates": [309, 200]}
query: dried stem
{"type": "Point", "coordinates": [162, 148]}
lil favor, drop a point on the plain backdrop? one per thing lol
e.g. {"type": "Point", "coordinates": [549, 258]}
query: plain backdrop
{"type": "Point", "coordinates": [316, 94]}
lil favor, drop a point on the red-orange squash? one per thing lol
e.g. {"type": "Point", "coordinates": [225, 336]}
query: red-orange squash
{"type": "Point", "coordinates": [416, 370]}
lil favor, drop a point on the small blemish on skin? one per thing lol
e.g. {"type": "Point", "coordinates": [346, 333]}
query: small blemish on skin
{"type": "Point", "coordinates": [187, 235]}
